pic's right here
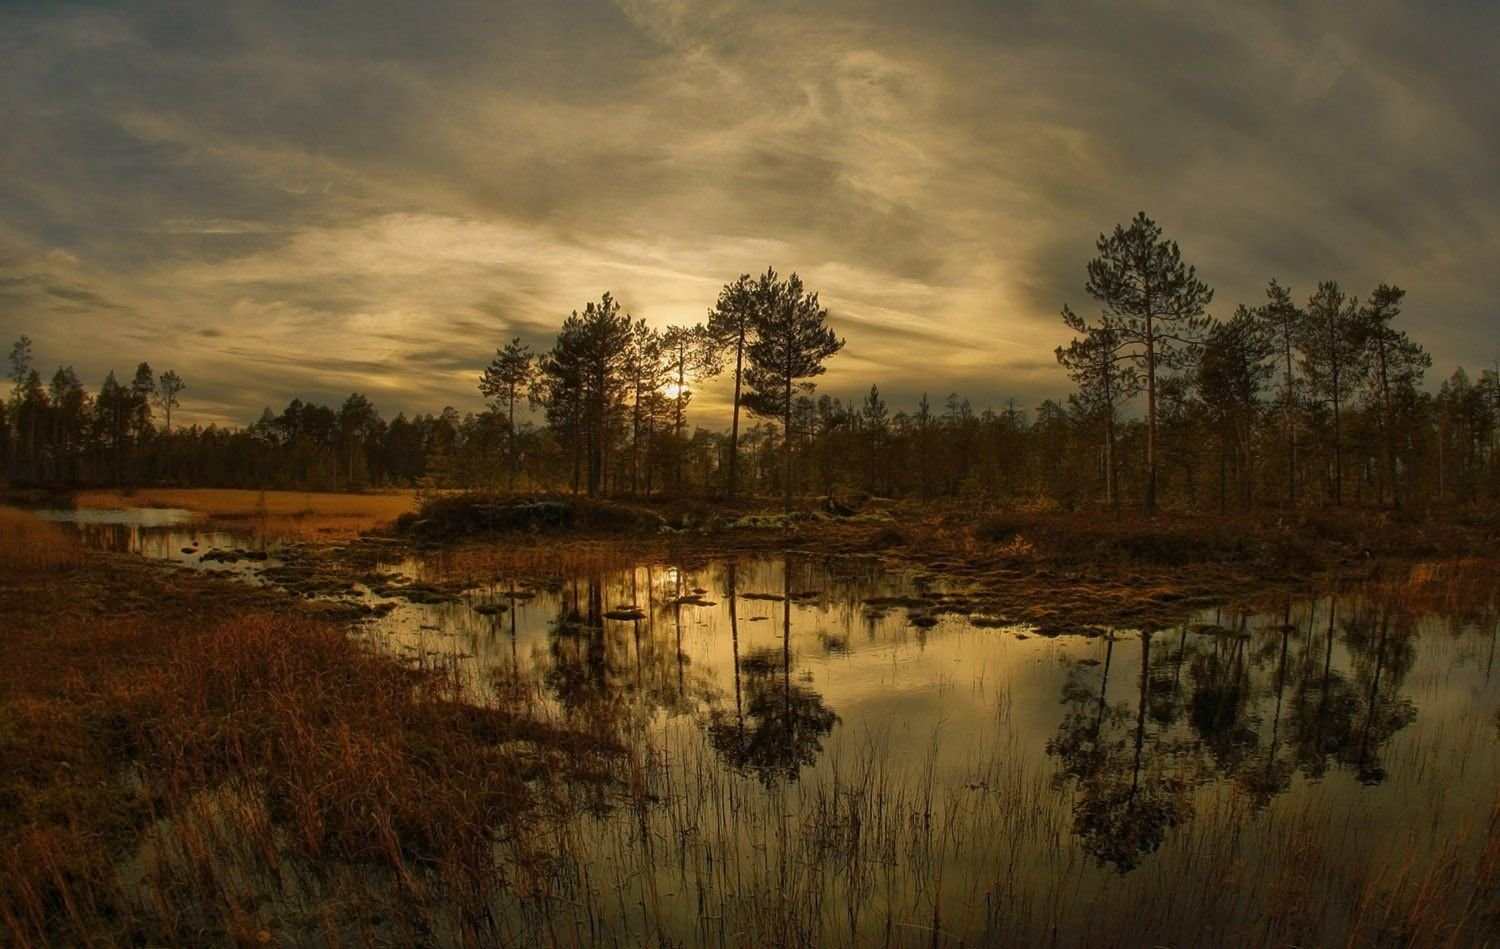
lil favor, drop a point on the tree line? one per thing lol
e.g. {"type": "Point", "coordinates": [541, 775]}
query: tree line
{"type": "Point", "coordinates": [1281, 399]}
{"type": "Point", "coordinates": [1279, 404]}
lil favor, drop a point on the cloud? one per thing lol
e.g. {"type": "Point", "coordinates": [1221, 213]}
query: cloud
{"type": "Point", "coordinates": [287, 200]}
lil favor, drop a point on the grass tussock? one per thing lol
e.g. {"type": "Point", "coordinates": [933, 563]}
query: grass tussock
{"type": "Point", "coordinates": [30, 544]}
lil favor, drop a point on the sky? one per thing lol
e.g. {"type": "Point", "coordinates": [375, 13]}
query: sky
{"type": "Point", "coordinates": [285, 200]}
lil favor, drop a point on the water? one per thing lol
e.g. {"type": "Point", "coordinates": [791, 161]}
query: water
{"type": "Point", "coordinates": [837, 751]}
{"type": "Point", "coordinates": [167, 534]}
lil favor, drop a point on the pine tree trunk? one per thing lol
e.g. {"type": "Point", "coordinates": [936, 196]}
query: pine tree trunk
{"type": "Point", "coordinates": [734, 424]}
{"type": "Point", "coordinates": [787, 444]}
{"type": "Point", "coordinates": [1150, 415]}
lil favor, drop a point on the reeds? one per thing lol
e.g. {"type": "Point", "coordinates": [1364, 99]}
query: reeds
{"type": "Point", "coordinates": [29, 544]}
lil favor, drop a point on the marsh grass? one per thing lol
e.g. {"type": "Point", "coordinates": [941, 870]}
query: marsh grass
{"type": "Point", "coordinates": [183, 777]}
{"type": "Point", "coordinates": [29, 544]}
{"type": "Point", "coordinates": [872, 850]}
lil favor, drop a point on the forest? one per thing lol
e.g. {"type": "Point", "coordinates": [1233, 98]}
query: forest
{"type": "Point", "coordinates": [1322, 399]}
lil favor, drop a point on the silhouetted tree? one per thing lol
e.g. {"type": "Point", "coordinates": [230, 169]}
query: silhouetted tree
{"type": "Point", "coordinates": [579, 383]}
{"type": "Point", "coordinates": [691, 354]}
{"type": "Point", "coordinates": [70, 406]}
{"type": "Point", "coordinates": [1155, 306]}
{"type": "Point", "coordinates": [1231, 373]}
{"type": "Point", "coordinates": [791, 342]}
{"type": "Point", "coordinates": [504, 380]}
{"type": "Point", "coordinates": [645, 372]}
{"type": "Point", "coordinates": [1097, 361]}
{"type": "Point", "coordinates": [1395, 365]}
{"type": "Point", "coordinates": [875, 419]}
{"type": "Point", "coordinates": [357, 422]}
{"type": "Point", "coordinates": [1285, 323]}
{"type": "Point", "coordinates": [168, 386]}
{"type": "Point", "coordinates": [732, 324]}
{"type": "Point", "coordinates": [1330, 347]}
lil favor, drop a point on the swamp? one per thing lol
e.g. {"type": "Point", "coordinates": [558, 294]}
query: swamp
{"type": "Point", "coordinates": [704, 738]}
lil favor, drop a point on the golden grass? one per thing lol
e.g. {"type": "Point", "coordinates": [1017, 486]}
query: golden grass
{"type": "Point", "coordinates": [286, 514]}
{"type": "Point", "coordinates": [29, 544]}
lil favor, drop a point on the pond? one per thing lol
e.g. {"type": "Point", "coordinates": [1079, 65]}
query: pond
{"type": "Point", "coordinates": [831, 752]}
{"type": "Point", "coordinates": [168, 534]}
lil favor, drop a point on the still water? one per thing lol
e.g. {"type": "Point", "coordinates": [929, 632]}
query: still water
{"type": "Point", "coordinates": [846, 754]}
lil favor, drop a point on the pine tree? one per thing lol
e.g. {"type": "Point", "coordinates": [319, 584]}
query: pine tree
{"type": "Point", "coordinates": [1331, 351]}
{"type": "Point", "coordinates": [1155, 305]}
{"type": "Point", "coordinates": [1097, 360]}
{"type": "Point", "coordinates": [691, 354]}
{"type": "Point", "coordinates": [1231, 374]}
{"type": "Point", "coordinates": [168, 386]}
{"type": "Point", "coordinates": [1395, 366]}
{"type": "Point", "coordinates": [1284, 323]}
{"type": "Point", "coordinates": [731, 324]}
{"type": "Point", "coordinates": [790, 344]}
{"type": "Point", "coordinates": [507, 376]}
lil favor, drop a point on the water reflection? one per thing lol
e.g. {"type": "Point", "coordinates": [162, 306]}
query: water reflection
{"type": "Point", "coordinates": [155, 533]}
{"type": "Point", "coordinates": [1128, 794]}
{"type": "Point", "coordinates": [1236, 705]}
{"type": "Point", "coordinates": [786, 722]}
{"type": "Point", "coordinates": [776, 667]}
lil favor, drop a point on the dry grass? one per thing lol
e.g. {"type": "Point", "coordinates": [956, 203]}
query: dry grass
{"type": "Point", "coordinates": [30, 544]}
{"type": "Point", "coordinates": [284, 514]}
{"type": "Point", "coordinates": [1449, 586]}
{"type": "Point", "coordinates": [192, 761]}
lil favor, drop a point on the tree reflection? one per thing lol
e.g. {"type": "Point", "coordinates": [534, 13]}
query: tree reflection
{"type": "Point", "coordinates": [777, 727]}
{"type": "Point", "coordinates": [579, 672]}
{"type": "Point", "coordinates": [1126, 796]}
{"type": "Point", "coordinates": [598, 665]}
{"type": "Point", "coordinates": [1270, 771]}
{"type": "Point", "coordinates": [1221, 687]}
{"type": "Point", "coordinates": [1248, 706]}
{"type": "Point", "coordinates": [1380, 640]}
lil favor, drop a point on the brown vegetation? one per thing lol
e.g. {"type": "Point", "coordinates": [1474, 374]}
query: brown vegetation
{"type": "Point", "coordinates": [282, 514]}
{"type": "Point", "coordinates": [192, 761]}
{"type": "Point", "coordinates": [189, 760]}
{"type": "Point", "coordinates": [29, 544]}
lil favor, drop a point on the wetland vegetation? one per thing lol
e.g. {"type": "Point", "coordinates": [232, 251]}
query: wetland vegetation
{"type": "Point", "coordinates": [1021, 731]}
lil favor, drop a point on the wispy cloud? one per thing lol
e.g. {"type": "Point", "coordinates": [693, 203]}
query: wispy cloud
{"type": "Point", "coordinates": [278, 200]}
